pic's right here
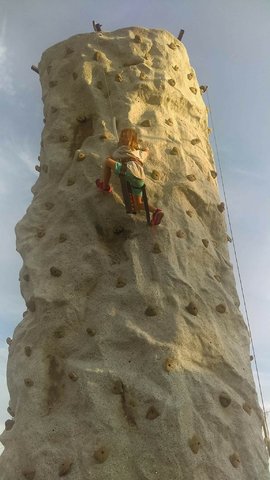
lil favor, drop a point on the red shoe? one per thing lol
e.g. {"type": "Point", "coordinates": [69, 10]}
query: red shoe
{"type": "Point", "coordinates": [99, 185]}
{"type": "Point", "coordinates": [157, 217]}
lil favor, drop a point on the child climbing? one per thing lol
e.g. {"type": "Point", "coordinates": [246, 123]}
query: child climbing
{"type": "Point", "coordinates": [128, 160]}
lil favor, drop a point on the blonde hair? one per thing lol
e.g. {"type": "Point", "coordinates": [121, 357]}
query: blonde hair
{"type": "Point", "coordinates": [128, 137]}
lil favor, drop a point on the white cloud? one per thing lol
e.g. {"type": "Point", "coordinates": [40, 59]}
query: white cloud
{"type": "Point", "coordinates": [6, 66]}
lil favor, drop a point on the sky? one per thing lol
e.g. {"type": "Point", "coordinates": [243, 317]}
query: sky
{"type": "Point", "coordinates": [228, 45]}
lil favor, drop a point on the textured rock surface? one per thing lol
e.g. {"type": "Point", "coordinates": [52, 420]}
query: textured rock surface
{"type": "Point", "coordinates": [132, 359]}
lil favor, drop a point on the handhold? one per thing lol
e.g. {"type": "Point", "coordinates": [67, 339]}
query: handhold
{"type": "Point", "coordinates": [146, 123]}
{"type": "Point", "coordinates": [205, 242]}
{"type": "Point", "coordinates": [81, 156]}
{"type": "Point", "coordinates": [203, 88]}
{"type": "Point", "coordinates": [169, 122]}
{"type": "Point", "coordinates": [191, 178]}
{"type": "Point", "coordinates": [174, 151]}
{"type": "Point", "coordinates": [97, 56]}
{"type": "Point", "coordinates": [49, 205]}
{"type": "Point", "coordinates": [143, 76]}
{"type": "Point", "coordinates": [65, 468]}
{"type": "Point", "coordinates": [190, 75]}
{"type": "Point", "coordinates": [147, 56]}
{"type": "Point", "coordinates": [192, 309]}
{"type": "Point", "coordinates": [195, 141]}
{"type": "Point", "coordinates": [213, 173]}
{"type": "Point", "coordinates": [251, 357]}
{"type": "Point", "coordinates": [53, 83]}
{"type": "Point", "coordinates": [118, 77]}
{"type": "Point", "coordinates": [28, 382]}
{"type": "Point", "coordinates": [103, 136]}
{"type": "Point", "coordinates": [172, 46]}
{"type": "Point", "coordinates": [118, 387]}
{"type": "Point", "coordinates": [247, 407]}
{"type": "Point", "coordinates": [11, 412]}
{"type": "Point", "coordinates": [171, 82]}
{"type": "Point", "coordinates": [81, 118]}
{"type": "Point", "coordinates": [28, 351]}
{"type": "Point", "coordinates": [31, 305]}
{"type": "Point", "coordinates": [37, 168]}
{"type": "Point", "coordinates": [9, 340]}
{"type": "Point", "coordinates": [180, 234]}
{"type": "Point", "coordinates": [73, 376]}
{"type": "Point", "coordinates": [63, 138]}
{"type": "Point", "coordinates": [229, 239]}
{"type": "Point", "coordinates": [29, 474]}
{"type": "Point", "coordinates": [34, 68]}
{"type": "Point", "coordinates": [59, 332]}
{"type": "Point", "coordinates": [151, 311]}
{"type": "Point", "coordinates": [221, 308]}
{"type": "Point", "coordinates": [54, 109]}
{"type": "Point", "coordinates": [155, 175]}
{"type": "Point", "coordinates": [221, 207]}
{"type": "Point", "coordinates": [75, 75]}
{"type": "Point", "coordinates": [218, 278]}
{"type": "Point", "coordinates": [225, 399]}
{"type": "Point", "coordinates": [9, 424]}
{"type": "Point", "coordinates": [118, 229]}
{"type": "Point", "coordinates": [69, 51]}
{"type": "Point", "coordinates": [62, 237]}
{"type": "Point", "coordinates": [101, 454]}
{"type": "Point", "coordinates": [193, 90]}
{"type": "Point", "coordinates": [91, 332]}
{"type": "Point", "coordinates": [189, 213]}
{"type": "Point", "coordinates": [194, 444]}
{"type": "Point", "coordinates": [170, 364]}
{"type": "Point", "coordinates": [45, 168]}
{"type": "Point", "coordinates": [26, 277]}
{"type": "Point", "coordinates": [156, 248]}
{"type": "Point", "coordinates": [137, 39]}
{"type": "Point", "coordinates": [55, 272]}
{"type": "Point", "coordinates": [70, 181]}
{"type": "Point", "coordinates": [152, 413]}
{"type": "Point", "coordinates": [120, 283]}
{"type": "Point", "coordinates": [175, 67]}
{"type": "Point", "coordinates": [235, 460]}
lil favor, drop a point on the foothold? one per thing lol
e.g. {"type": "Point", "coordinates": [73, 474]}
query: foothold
{"type": "Point", "coordinates": [28, 382]}
{"type": "Point", "coordinates": [150, 311]}
{"type": "Point", "coordinates": [229, 239]}
{"type": "Point", "coordinates": [218, 278]}
{"type": "Point", "coordinates": [120, 283]}
{"type": "Point", "coordinates": [156, 248]}
{"type": "Point", "coordinates": [152, 413]}
{"type": "Point", "coordinates": [118, 229]}
{"type": "Point", "coordinates": [81, 156]}
{"type": "Point", "coordinates": [99, 85]}
{"type": "Point", "coordinates": [225, 399]}
{"type": "Point", "coordinates": [235, 460]}
{"type": "Point", "coordinates": [191, 178]}
{"type": "Point", "coordinates": [221, 207]}
{"type": "Point", "coordinates": [59, 333]}
{"type": "Point", "coordinates": [55, 272]}
{"type": "Point", "coordinates": [91, 332]}
{"type": "Point", "coordinates": [63, 138]}
{"type": "Point", "coordinates": [221, 308]}
{"type": "Point", "coordinates": [54, 109]}
{"type": "Point", "coordinates": [171, 82]}
{"type": "Point", "coordinates": [75, 75]}
{"type": "Point", "coordinates": [118, 77]}
{"type": "Point", "coordinates": [65, 468]}
{"type": "Point", "coordinates": [155, 175]}
{"type": "Point", "coordinates": [49, 205]}
{"type": "Point", "coordinates": [9, 424]}
{"type": "Point", "coordinates": [192, 309]}
{"type": "Point", "coordinates": [28, 351]}
{"type": "Point", "coordinates": [189, 213]}
{"type": "Point", "coordinates": [170, 364]}
{"type": "Point", "coordinates": [180, 234]}
{"type": "Point", "coordinates": [37, 168]}
{"type": "Point", "coordinates": [62, 237]}
{"type": "Point", "coordinates": [247, 407]}
{"type": "Point", "coordinates": [104, 136]}
{"type": "Point", "coordinates": [146, 123]}
{"type": "Point", "coordinates": [9, 340]}
{"type": "Point", "coordinates": [172, 46]}
{"type": "Point", "coordinates": [53, 83]}
{"type": "Point", "coordinates": [195, 141]}
{"type": "Point", "coordinates": [174, 151]}
{"type": "Point", "coordinates": [81, 118]}
{"type": "Point", "coordinates": [69, 51]}
{"type": "Point", "coordinates": [194, 444]}
{"type": "Point", "coordinates": [143, 76]}
{"type": "Point", "coordinates": [205, 242]}
{"type": "Point", "coordinates": [176, 68]}
{"type": "Point", "coordinates": [147, 56]}
{"type": "Point", "coordinates": [11, 412]}
{"type": "Point", "coordinates": [34, 68]}
{"type": "Point", "coordinates": [29, 474]}
{"type": "Point", "coordinates": [213, 173]}
{"type": "Point", "coordinates": [193, 90]}
{"type": "Point", "coordinates": [251, 357]}
{"type": "Point", "coordinates": [70, 181]}
{"type": "Point", "coordinates": [101, 454]}
{"type": "Point", "coordinates": [190, 75]}
{"type": "Point", "coordinates": [45, 168]}
{"type": "Point", "coordinates": [31, 305]}
{"type": "Point", "coordinates": [169, 122]}
{"type": "Point", "coordinates": [73, 376]}
{"type": "Point", "coordinates": [137, 39]}
{"type": "Point", "coordinates": [203, 88]}
{"type": "Point", "coordinates": [97, 56]}
{"type": "Point", "coordinates": [118, 387]}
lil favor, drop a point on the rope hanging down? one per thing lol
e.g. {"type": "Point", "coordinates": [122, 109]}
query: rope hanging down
{"type": "Point", "coordinates": [265, 425]}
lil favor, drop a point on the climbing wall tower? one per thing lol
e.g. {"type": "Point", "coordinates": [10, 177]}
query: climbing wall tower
{"type": "Point", "coordinates": [132, 359]}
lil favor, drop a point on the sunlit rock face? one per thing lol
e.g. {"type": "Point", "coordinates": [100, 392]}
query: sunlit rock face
{"type": "Point", "coordinates": [132, 359]}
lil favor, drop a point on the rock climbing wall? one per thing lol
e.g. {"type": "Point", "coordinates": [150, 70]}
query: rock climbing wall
{"type": "Point", "coordinates": [132, 359]}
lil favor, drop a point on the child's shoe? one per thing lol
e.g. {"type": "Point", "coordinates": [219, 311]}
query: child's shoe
{"type": "Point", "coordinates": [157, 217]}
{"type": "Point", "coordinates": [99, 185]}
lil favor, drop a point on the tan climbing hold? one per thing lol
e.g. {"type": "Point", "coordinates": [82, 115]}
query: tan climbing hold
{"type": "Point", "coordinates": [53, 83]}
{"type": "Point", "coordinates": [193, 90]}
{"type": "Point", "coordinates": [180, 234]}
{"type": "Point", "coordinates": [151, 311]}
{"type": "Point", "coordinates": [194, 141]}
{"type": "Point", "coordinates": [97, 56]}
{"type": "Point", "coordinates": [26, 277]}
{"type": "Point", "coordinates": [118, 77]}
{"type": "Point", "coordinates": [59, 332]}
{"type": "Point", "coordinates": [235, 460]}
{"type": "Point", "coordinates": [190, 75]}
{"type": "Point", "coordinates": [9, 424]}
{"type": "Point", "coordinates": [70, 181]}
{"type": "Point", "coordinates": [189, 213]}
{"type": "Point", "coordinates": [55, 272]}
{"type": "Point", "coordinates": [69, 51]}
{"type": "Point", "coordinates": [29, 474]}
{"type": "Point", "coordinates": [192, 309]}
{"type": "Point", "coordinates": [221, 207]}
{"type": "Point", "coordinates": [205, 242]}
{"type": "Point", "coordinates": [9, 341]}
{"type": "Point", "coordinates": [174, 151]}
{"type": "Point", "coordinates": [54, 109]}
{"type": "Point", "coordinates": [155, 175]}
{"type": "Point", "coordinates": [62, 237]}
{"type": "Point", "coordinates": [247, 407]}
{"type": "Point", "coordinates": [118, 387]}
{"type": "Point", "coordinates": [146, 123]}
{"type": "Point", "coordinates": [103, 136]}
{"type": "Point", "coordinates": [191, 178]}
{"type": "Point", "coordinates": [203, 88]}
{"type": "Point", "coordinates": [156, 248]}
{"type": "Point", "coordinates": [251, 357]}
{"type": "Point", "coordinates": [81, 118]}
{"type": "Point", "coordinates": [176, 68]}
{"type": "Point", "coordinates": [28, 351]}
{"type": "Point", "coordinates": [221, 308]}
{"type": "Point", "coordinates": [11, 412]}
{"type": "Point", "coordinates": [65, 468]}
{"type": "Point", "coordinates": [152, 413]}
{"type": "Point", "coordinates": [120, 282]}
{"type": "Point", "coordinates": [228, 238]}
{"type": "Point", "coordinates": [137, 39]}
{"type": "Point", "coordinates": [171, 82]}
{"type": "Point", "coordinates": [118, 229]}
{"type": "Point", "coordinates": [172, 46]}
{"type": "Point", "coordinates": [28, 382]}
{"type": "Point", "coordinates": [73, 376]}
{"type": "Point", "coordinates": [91, 332]}
{"type": "Point", "coordinates": [170, 364]}
{"type": "Point", "coordinates": [169, 122]}
{"type": "Point", "coordinates": [75, 75]}
{"type": "Point", "coordinates": [48, 205]}
{"type": "Point", "coordinates": [81, 156]}
{"type": "Point", "coordinates": [225, 399]}
{"type": "Point", "coordinates": [31, 305]}
{"type": "Point", "coordinates": [101, 454]}
{"type": "Point", "coordinates": [143, 76]}
{"type": "Point", "coordinates": [63, 138]}
{"type": "Point", "coordinates": [218, 278]}
{"type": "Point", "coordinates": [213, 173]}
{"type": "Point", "coordinates": [37, 168]}
{"type": "Point", "coordinates": [194, 444]}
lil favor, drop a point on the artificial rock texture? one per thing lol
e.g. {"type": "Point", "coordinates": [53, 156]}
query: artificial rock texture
{"type": "Point", "coordinates": [132, 359]}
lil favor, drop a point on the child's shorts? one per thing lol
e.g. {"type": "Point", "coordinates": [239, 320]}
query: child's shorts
{"type": "Point", "coordinates": [135, 183]}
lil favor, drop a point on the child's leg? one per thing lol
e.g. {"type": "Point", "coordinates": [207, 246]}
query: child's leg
{"type": "Point", "coordinates": [109, 165]}
{"type": "Point", "coordinates": [138, 202]}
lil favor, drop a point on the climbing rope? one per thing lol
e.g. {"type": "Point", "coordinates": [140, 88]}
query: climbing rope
{"type": "Point", "coordinates": [265, 426]}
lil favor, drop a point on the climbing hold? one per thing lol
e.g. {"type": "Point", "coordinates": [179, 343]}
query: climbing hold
{"type": "Point", "coordinates": [171, 82]}
{"type": "Point", "coordinates": [81, 156]}
{"type": "Point", "coordinates": [31, 305]}
{"type": "Point", "coordinates": [191, 178]}
{"type": "Point", "coordinates": [63, 138]}
{"type": "Point", "coordinates": [143, 76]}
{"type": "Point", "coordinates": [225, 399]}
{"type": "Point", "coordinates": [81, 118]}
{"type": "Point", "coordinates": [174, 151]}
{"type": "Point", "coordinates": [28, 351]}
{"type": "Point", "coordinates": [59, 332]}
{"type": "Point", "coordinates": [190, 76]}
{"type": "Point", "coordinates": [28, 382]}
{"type": "Point", "coordinates": [152, 413]}
{"type": "Point", "coordinates": [70, 181]}
{"type": "Point", "coordinates": [209, 130]}
{"type": "Point", "coordinates": [172, 46]}
{"type": "Point", "coordinates": [120, 283]}
{"type": "Point", "coordinates": [55, 272]}
{"type": "Point", "coordinates": [118, 77]}
{"type": "Point", "coordinates": [62, 237]}
{"type": "Point", "coordinates": [213, 173]}
{"type": "Point", "coordinates": [11, 412]}
{"type": "Point", "coordinates": [118, 387]}
{"type": "Point", "coordinates": [194, 444]}
{"type": "Point", "coordinates": [189, 213]}
{"type": "Point", "coordinates": [247, 407]}
{"type": "Point", "coordinates": [118, 229]}
{"type": "Point", "coordinates": [155, 175]}
{"type": "Point", "coordinates": [229, 239]}
{"type": "Point", "coordinates": [169, 122]}
{"type": "Point", "coordinates": [45, 168]}
{"type": "Point", "coordinates": [192, 309]}
{"type": "Point", "coordinates": [203, 88]}
{"type": "Point", "coordinates": [151, 311]}
{"type": "Point", "coordinates": [221, 308]}
{"type": "Point", "coordinates": [37, 168]}
{"type": "Point", "coordinates": [69, 51]}
{"type": "Point", "coordinates": [170, 364]}
{"type": "Point", "coordinates": [205, 242]}
{"type": "Point", "coordinates": [193, 90]}
{"type": "Point", "coordinates": [101, 454]}
{"type": "Point", "coordinates": [147, 56]}
{"type": "Point", "coordinates": [26, 277]}
{"type": "Point", "coordinates": [54, 109]}
{"type": "Point", "coordinates": [34, 68]}
{"type": "Point", "coordinates": [91, 332]}
{"type": "Point", "coordinates": [104, 136]}
{"type": "Point", "coordinates": [97, 56]}
{"type": "Point", "coordinates": [137, 39]}
{"type": "Point", "coordinates": [221, 207]}
{"type": "Point", "coordinates": [156, 248]}
{"type": "Point", "coordinates": [235, 460]}
{"type": "Point", "coordinates": [99, 85]}
{"type": "Point", "coordinates": [49, 205]}
{"type": "Point", "coordinates": [146, 123]}
{"type": "Point", "coordinates": [9, 424]}
{"type": "Point", "coordinates": [175, 67]}
{"type": "Point", "coordinates": [29, 474]}
{"type": "Point", "coordinates": [65, 468]}
{"type": "Point", "coordinates": [53, 83]}
{"type": "Point", "coordinates": [73, 376]}
{"type": "Point", "coordinates": [180, 234]}
{"type": "Point", "coordinates": [195, 141]}
{"type": "Point", "coordinates": [9, 340]}
{"type": "Point", "coordinates": [251, 357]}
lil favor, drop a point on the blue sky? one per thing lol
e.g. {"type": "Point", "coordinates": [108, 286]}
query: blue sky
{"type": "Point", "coordinates": [228, 45]}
